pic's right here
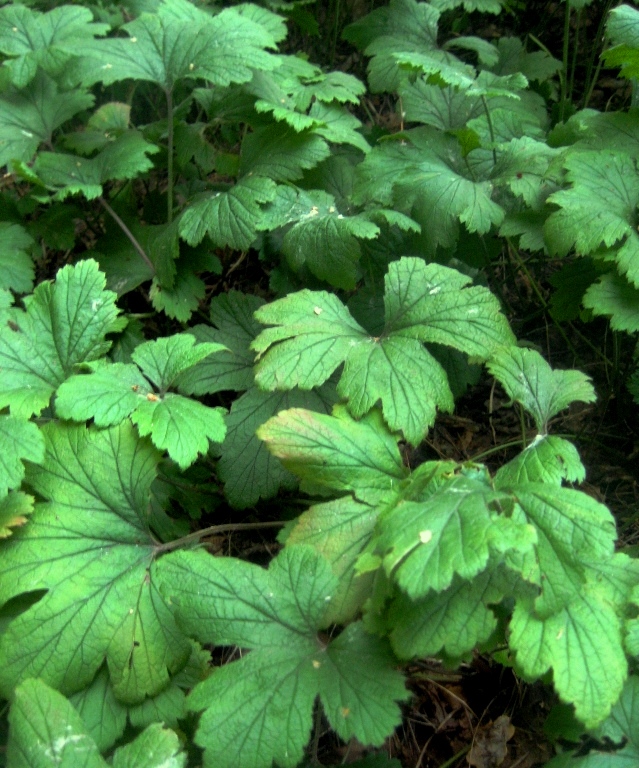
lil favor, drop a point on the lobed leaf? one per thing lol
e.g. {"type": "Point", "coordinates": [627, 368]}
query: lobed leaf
{"type": "Point", "coordinates": [90, 548]}
{"type": "Point", "coordinates": [65, 324]}
{"type": "Point", "coordinates": [543, 392]}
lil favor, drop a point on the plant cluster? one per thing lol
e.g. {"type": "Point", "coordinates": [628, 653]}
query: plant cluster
{"type": "Point", "coordinates": [161, 148]}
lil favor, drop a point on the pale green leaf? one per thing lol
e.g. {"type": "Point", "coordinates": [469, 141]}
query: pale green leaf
{"type": "Point", "coordinates": [427, 177]}
{"type": "Point", "coordinates": [623, 31]}
{"type": "Point", "coordinates": [15, 509]}
{"type": "Point", "coordinates": [314, 333]}
{"type": "Point", "coordinates": [181, 426]}
{"type": "Point", "coordinates": [339, 530]}
{"type": "Point", "coordinates": [547, 459]}
{"type": "Point", "coordinates": [542, 391]}
{"type": "Point", "coordinates": [247, 469]}
{"type": "Point", "coordinates": [615, 297]}
{"type": "Point", "coordinates": [425, 544]}
{"type": "Point", "coordinates": [47, 732]}
{"type": "Point", "coordinates": [91, 550]}
{"type": "Point", "coordinates": [230, 218]}
{"type": "Point", "coordinates": [29, 116]}
{"type": "Point", "coordinates": [107, 396]}
{"type": "Point", "coordinates": [16, 265]}
{"type": "Point", "coordinates": [155, 747]}
{"type": "Point", "coordinates": [574, 532]}
{"type": "Point", "coordinates": [582, 644]}
{"type": "Point", "coordinates": [336, 451]}
{"type": "Point", "coordinates": [65, 324]}
{"type": "Point", "coordinates": [482, 6]}
{"type": "Point", "coordinates": [19, 440]}
{"type": "Point", "coordinates": [598, 210]}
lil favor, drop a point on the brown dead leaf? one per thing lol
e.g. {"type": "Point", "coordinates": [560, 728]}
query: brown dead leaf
{"type": "Point", "coordinates": [489, 747]}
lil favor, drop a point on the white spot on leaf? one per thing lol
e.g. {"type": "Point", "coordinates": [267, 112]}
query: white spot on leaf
{"type": "Point", "coordinates": [318, 310]}
{"type": "Point", "coordinates": [316, 664]}
{"type": "Point", "coordinates": [425, 536]}
{"type": "Point", "coordinates": [434, 290]}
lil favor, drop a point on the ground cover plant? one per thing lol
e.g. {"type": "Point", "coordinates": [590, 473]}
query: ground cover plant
{"type": "Point", "coordinates": [236, 305]}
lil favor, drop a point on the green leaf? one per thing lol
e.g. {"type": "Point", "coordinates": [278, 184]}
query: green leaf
{"type": "Point", "coordinates": [90, 548]}
{"type": "Point", "coordinates": [51, 340]}
{"type": "Point", "coordinates": [281, 155]}
{"type": "Point", "coordinates": [278, 614]}
{"type": "Point", "coordinates": [45, 730]}
{"type": "Point", "coordinates": [48, 40]}
{"type": "Point", "coordinates": [425, 544]}
{"type": "Point", "coordinates": [163, 360]}
{"type": "Point", "coordinates": [538, 65]}
{"type": "Point", "coordinates": [156, 747]}
{"type": "Point", "coordinates": [314, 333]}
{"type": "Point", "coordinates": [547, 459]}
{"type": "Point", "coordinates": [235, 327]}
{"type": "Point", "coordinates": [14, 511]}
{"type": "Point", "coordinates": [338, 125]}
{"type": "Point", "coordinates": [582, 644]}
{"type": "Point", "coordinates": [181, 426]}
{"type": "Point", "coordinates": [229, 218]}
{"type": "Point", "coordinates": [249, 471]}
{"type": "Point", "coordinates": [574, 533]}
{"type": "Point", "coordinates": [427, 177]}
{"type": "Point", "coordinates": [19, 440]}
{"type": "Point", "coordinates": [29, 116]}
{"type": "Point", "coordinates": [454, 621]}
{"type": "Point", "coordinates": [16, 265]}
{"type": "Point", "coordinates": [326, 241]}
{"type": "Point", "coordinates": [615, 297]}
{"type": "Point", "coordinates": [107, 123]}
{"type": "Point", "coordinates": [336, 451]}
{"type": "Point", "coordinates": [618, 732]}
{"type": "Point", "coordinates": [180, 300]}
{"type": "Point", "coordinates": [123, 158]}
{"type": "Point", "coordinates": [181, 41]}
{"type": "Point", "coordinates": [623, 31]}
{"type": "Point", "coordinates": [107, 396]}
{"type": "Point", "coordinates": [543, 392]}
{"type": "Point", "coordinates": [104, 717]}
{"type": "Point", "coordinates": [481, 6]}
{"type": "Point", "coordinates": [339, 530]}
{"type": "Point", "coordinates": [598, 209]}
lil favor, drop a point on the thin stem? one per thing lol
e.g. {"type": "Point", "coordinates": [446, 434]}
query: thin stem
{"type": "Point", "coordinates": [128, 233]}
{"type": "Point", "coordinates": [590, 83]}
{"type": "Point", "coordinates": [212, 530]}
{"type": "Point", "coordinates": [575, 50]}
{"type": "Point", "coordinates": [491, 128]}
{"type": "Point", "coordinates": [169, 188]}
{"type": "Point", "coordinates": [515, 255]}
{"type": "Point", "coordinates": [564, 76]}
